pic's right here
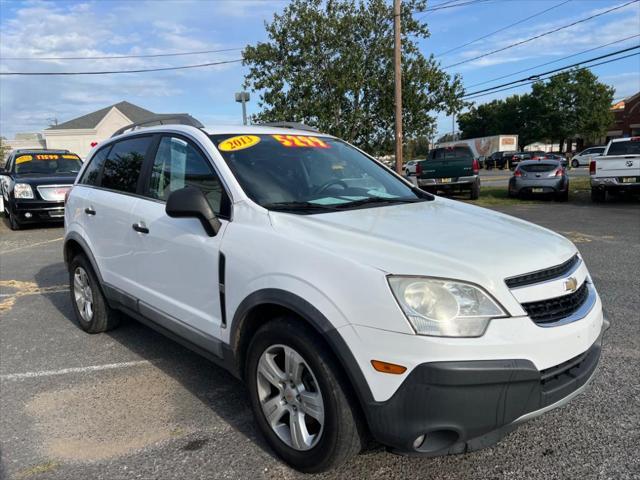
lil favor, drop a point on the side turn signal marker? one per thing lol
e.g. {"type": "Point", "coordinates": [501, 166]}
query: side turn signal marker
{"type": "Point", "coordinates": [385, 367]}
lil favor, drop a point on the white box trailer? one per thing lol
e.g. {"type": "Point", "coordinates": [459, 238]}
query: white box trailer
{"type": "Point", "coordinates": [485, 146]}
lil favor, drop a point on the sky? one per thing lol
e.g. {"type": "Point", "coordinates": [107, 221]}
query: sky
{"type": "Point", "coordinates": [118, 27]}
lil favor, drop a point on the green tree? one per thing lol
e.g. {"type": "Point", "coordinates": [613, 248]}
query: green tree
{"type": "Point", "coordinates": [330, 64]}
{"type": "Point", "coordinates": [573, 104]}
{"type": "Point", "coordinates": [569, 104]}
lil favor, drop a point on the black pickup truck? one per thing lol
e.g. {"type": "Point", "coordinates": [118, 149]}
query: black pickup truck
{"type": "Point", "coordinates": [449, 170]}
{"type": "Point", "coordinates": [33, 185]}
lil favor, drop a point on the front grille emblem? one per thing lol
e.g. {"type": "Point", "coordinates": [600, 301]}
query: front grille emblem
{"type": "Point", "coordinates": [629, 163]}
{"type": "Point", "coordinates": [571, 285]}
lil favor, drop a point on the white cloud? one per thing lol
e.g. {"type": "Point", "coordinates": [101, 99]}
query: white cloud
{"type": "Point", "coordinates": [97, 29]}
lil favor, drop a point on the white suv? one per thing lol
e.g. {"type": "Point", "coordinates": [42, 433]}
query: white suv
{"type": "Point", "coordinates": [352, 304]}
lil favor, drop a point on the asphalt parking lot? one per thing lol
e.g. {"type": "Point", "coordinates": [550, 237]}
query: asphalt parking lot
{"type": "Point", "coordinates": [131, 404]}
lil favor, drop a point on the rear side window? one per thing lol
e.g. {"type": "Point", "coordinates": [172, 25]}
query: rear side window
{"type": "Point", "coordinates": [597, 151]}
{"type": "Point", "coordinates": [452, 153]}
{"type": "Point", "coordinates": [632, 147]}
{"type": "Point", "coordinates": [91, 174]}
{"type": "Point", "coordinates": [123, 164]}
{"type": "Point", "coordinates": [179, 164]}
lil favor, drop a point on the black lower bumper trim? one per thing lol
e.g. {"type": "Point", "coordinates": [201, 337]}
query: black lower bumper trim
{"type": "Point", "coordinates": [464, 406]}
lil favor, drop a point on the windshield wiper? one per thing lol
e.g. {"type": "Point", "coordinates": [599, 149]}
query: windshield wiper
{"type": "Point", "coordinates": [379, 201]}
{"type": "Point", "coordinates": [297, 207]}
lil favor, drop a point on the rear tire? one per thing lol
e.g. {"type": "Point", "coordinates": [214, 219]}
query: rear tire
{"type": "Point", "coordinates": [475, 191]}
{"type": "Point", "coordinates": [326, 445]}
{"type": "Point", "coordinates": [92, 311]}
{"type": "Point", "coordinates": [563, 196]}
{"type": "Point", "coordinates": [598, 195]}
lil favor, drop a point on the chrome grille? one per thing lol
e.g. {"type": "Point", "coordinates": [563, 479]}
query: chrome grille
{"type": "Point", "coordinates": [554, 309]}
{"type": "Point", "coordinates": [53, 193]}
{"type": "Point", "coordinates": [543, 275]}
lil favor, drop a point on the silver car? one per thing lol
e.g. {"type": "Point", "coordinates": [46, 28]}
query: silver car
{"type": "Point", "coordinates": [540, 177]}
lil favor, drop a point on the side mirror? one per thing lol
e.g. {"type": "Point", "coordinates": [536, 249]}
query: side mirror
{"type": "Point", "coordinates": [191, 202]}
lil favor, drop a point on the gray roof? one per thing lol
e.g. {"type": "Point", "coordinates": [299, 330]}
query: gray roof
{"type": "Point", "coordinates": [91, 120]}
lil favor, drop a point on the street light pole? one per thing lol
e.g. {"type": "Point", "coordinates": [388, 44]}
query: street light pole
{"type": "Point", "coordinates": [397, 60]}
{"type": "Point", "coordinates": [243, 97]}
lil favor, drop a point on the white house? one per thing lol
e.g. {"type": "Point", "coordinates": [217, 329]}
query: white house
{"type": "Point", "coordinates": [79, 134]}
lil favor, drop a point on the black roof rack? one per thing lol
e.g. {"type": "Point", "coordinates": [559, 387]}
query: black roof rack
{"type": "Point", "coordinates": [166, 119]}
{"type": "Point", "coordinates": [292, 125]}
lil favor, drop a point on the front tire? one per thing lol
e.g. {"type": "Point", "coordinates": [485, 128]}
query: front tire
{"type": "Point", "coordinates": [575, 163]}
{"type": "Point", "coordinates": [92, 311]}
{"type": "Point", "coordinates": [14, 224]}
{"type": "Point", "coordinates": [299, 398]}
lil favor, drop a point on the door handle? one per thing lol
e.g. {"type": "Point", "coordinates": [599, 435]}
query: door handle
{"type": "Point", "coordinates": [89, 211]}
{"type": "Point", "coordinates": [138, 227]}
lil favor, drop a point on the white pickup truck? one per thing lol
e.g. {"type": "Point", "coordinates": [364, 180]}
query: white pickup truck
{"type": "Point", "coordinates": [617, 170]}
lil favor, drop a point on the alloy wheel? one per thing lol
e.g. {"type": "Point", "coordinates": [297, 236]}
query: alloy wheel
{"type": "Point", "coordinates": [83, 294]}
{"type": "Point", "coordinates": [290, 397]}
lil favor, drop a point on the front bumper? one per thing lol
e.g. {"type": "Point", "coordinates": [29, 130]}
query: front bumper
{"type": "Point", "coordinates": [461, 406]}
{"type": "Point", "coordinates": [32, 211]}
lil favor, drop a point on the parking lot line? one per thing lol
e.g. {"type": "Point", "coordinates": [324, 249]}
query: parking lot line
{"type": "Point", "coordinates": [66, 371]}
{"type": "Point", "coordinates": [31, 245]}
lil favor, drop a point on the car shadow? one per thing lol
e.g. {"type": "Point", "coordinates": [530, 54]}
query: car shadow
{"type": "Point", "coordinates": [220, 391]}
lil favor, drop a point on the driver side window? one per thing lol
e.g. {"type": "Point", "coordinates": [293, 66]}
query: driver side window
{"type": "Point", "coordinates": [179, 164]}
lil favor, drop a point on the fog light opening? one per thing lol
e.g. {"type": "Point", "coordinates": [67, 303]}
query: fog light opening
{"type": "Point", "coordinates": [27, 215]}
{"type": "Point", "coordinates": [417, 443]}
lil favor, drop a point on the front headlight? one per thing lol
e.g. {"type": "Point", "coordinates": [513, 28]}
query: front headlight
{"type": "Point", "coordinates": [22, 190]}
{"type": "Point", "coordinates": [444, 308]}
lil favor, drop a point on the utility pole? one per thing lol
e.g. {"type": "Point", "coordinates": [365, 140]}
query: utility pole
{"type": "Point", "coordinates": [397, 60]}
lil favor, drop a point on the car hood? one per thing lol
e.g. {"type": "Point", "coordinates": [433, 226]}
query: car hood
{"type": "Point", "coordinates": [440, 238]}
{"type": "Point", "coordinates": [35, 179]}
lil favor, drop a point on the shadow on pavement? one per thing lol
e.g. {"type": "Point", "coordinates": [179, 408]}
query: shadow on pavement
{"type": "Point", "coordinates": [221, 392]}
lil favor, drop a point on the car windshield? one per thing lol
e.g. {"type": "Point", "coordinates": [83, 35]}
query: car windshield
{"type": "Point", "coordinates": [310, 174]}
{"type": "Point", "coordinates": [632, 147]}
{"type": "Point", "coordinates": [48, 164]}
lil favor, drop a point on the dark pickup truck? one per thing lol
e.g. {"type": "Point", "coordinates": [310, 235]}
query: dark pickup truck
{"type": "Point", "coordinates": [449, 170]}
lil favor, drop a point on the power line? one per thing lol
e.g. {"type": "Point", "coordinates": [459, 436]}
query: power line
{"type": "Point", "coordinates": [113, 57]}
{"type": "Point", "coordinates": [541, 35]}
{"type": "Point", "coordinates": [503, 28]}
{"type": "Point", "coordinates": [552, 76]}
{"type": "Point", "coordinates": [535, 77]}
{"type": "Point", "coordinates": [109, 72]}
{"type": "Point", "coordinates": [554, 61]}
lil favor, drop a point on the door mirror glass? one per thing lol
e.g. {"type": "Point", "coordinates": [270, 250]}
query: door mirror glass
{"type": "Point", "coordinates": [192, 202]}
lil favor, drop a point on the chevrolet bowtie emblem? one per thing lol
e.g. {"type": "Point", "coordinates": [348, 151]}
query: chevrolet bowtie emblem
{"type": "Point", "coordinates": [571, 284]}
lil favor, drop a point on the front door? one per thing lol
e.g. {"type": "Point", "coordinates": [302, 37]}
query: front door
{"type": "Point", "coordinates": [175, 266]}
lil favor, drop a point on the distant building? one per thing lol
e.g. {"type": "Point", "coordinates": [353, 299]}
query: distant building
{"type": "Point", "coordinates": [626, 121]}
{"type": "Point", "coordinates": [27, 140]}
{"type": "Point", "coordinates": [80, 134]}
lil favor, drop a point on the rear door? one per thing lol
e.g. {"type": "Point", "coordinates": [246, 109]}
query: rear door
{"type": "Point", "coordinates": [175, 270]}
{"type": "Point", "coordinates": [108, 210]}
